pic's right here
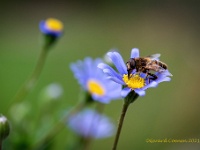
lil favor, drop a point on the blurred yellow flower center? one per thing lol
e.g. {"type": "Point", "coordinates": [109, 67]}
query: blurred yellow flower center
{"type": "Point", "coordinates": [134, 82]}
{"type": "Point", "coordinates": [95, 88]}
{"type": "Point", "coordinates": [54, 24]}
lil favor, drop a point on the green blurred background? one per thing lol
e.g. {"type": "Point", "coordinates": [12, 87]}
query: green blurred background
{"type": "Point", "coordinates": [91, 29]}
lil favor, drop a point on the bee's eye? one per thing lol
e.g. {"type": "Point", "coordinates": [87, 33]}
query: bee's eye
{"type": "Point", "coordinates": [132, 63]}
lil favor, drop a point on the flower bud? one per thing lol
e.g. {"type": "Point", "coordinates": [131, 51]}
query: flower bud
{"type": "Point", "coordinates": [52, 29]}
{"type": "Point", "coordinates": [4, 127]}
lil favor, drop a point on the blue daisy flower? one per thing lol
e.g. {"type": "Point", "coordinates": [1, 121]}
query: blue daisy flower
{"type": "Point", "coordinates": [93, 80]}
{"type": "Point", "coordinates": [138, 82]}
{"type": "Point", "coordinates": [51, 27]}
{"type": "Point", "coordinates": [89, 123]}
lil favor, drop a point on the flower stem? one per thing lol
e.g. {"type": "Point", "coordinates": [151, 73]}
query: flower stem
{"type": "Point", "coordinates": [130, 98]}
{"type": "Point", "coordinates": [0, 144]}
{"type": "Point", "coordinates": [32, 80]}
{"type": "Point", "coordinates": [121, 120]}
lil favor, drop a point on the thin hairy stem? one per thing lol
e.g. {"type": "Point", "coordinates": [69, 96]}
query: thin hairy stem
{"type": "Point", "coordinates": [120, 124]}
{"type": "Point", "coordinates": [32, 80]}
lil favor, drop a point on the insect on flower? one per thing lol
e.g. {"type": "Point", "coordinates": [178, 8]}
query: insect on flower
{"type": "Point", "coordinates": [136, 73]}
{"type": "Point", "coordinates": [145, 65]}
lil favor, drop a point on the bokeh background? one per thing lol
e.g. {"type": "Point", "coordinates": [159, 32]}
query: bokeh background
{"type": "Point", "coordinates": [91, 29]}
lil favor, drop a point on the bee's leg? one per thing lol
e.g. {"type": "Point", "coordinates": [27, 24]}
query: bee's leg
{"type": "Point", "coordinates": [153, 76]}
{"type": "Point", "coordinates": [129, 72]}
{"type": "Point", "coordinates": [147, 75]}
{"type": "Point", "coordinates": [146, 72]}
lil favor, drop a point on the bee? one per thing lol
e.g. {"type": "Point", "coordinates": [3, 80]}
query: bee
{"type": "Point", "coordinates": [146, 65]}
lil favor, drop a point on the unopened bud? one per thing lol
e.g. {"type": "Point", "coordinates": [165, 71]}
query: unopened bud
{"type": "Point", "coordinates": [52, 29]}
{"type": "Point", "coordinates": [4, 127]}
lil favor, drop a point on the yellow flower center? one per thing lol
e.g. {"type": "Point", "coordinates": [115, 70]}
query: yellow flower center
{"type": "Point", "coordinates": [134, 82]}
{"type": "Point", "coordinates": [95, 88]}
{"type": "Point", "coordinates": [54, 24]}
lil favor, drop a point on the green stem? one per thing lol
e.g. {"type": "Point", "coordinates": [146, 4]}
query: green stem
{"type": "Point", "coordinates": [87, 142]}
{"type": "Point", "coordinates": [130, 98]}
{"type": "Point", "coordinates": [32, 80]}
{"type": "Point", "coordinates": [121, 120]}
{"type": "Point", "coordinates": [0, 144]}
{"type": "Point", "coordinates": [80, 144]}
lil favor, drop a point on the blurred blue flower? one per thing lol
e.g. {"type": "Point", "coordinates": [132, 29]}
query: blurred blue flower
{"type": "Point", "coordinates": [138, 83]}
{"type": "Point", "coordinates": [51, 27]}
{"type": "Point", "coordinates": [89, 123]}
{"type": "Point", "coordinates": [94, 81]}
{"type": "Point", "coordinates": [53, 91]}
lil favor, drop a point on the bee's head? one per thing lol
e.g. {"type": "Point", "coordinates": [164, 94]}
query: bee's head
{"type": "Point", "coordinates": [130, 66]}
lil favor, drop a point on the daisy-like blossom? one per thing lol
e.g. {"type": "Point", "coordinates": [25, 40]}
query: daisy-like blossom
{"type": "Point", "coordinates": [51, 27]}
{"type": "Point", "coordinates": [89, 123]}
{"type": "Point", "coordinates": [93, 80]}
{"type": "Point", "coordinates": [138, 82]}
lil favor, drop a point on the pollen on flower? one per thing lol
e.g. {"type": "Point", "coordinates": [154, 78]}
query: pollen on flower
{"type": "Point", "coordinates": [134, 82]}
{"type": "Point", "coordinates": [54, 24]}
{"type": "Point", "coordinates": [95, 88]}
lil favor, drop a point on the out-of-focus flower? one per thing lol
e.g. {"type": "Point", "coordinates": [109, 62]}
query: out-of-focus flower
{"type": "Point", "coordinates": [4, 128]}
{"type": "Point", "coordinates": [52, 27]}
{"type": "Point", "coordinates": [52, 92]}
{"type": "Point", "coordinates": [94, 81]}
{"type": "Point", "coordinates": [138, 82]}
{"type": "Point", "coordinates": [89, 123]}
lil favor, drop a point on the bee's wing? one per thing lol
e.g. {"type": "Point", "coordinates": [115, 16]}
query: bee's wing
{"type": "Point", "coordinates": [154, 56]}
{"type": "Point", "coordinates": [155, 67]}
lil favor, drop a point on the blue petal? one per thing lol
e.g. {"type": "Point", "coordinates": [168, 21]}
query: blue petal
{"type": "Point", "coordinates": [89, 123]}
{"type": "Point", "coordinates": [117, 80]}
{"type": "Point", "coordinates": [135, 53]}
{"type": "Point", "coordinates": [143, 75]}
{"type": "Point", "coordinates": [163, 79]}
{"type": "Point", "coordinates": [101, 99]}
{"type": "Point", "coordinates": [112, 74]}
{"type": "Point", "coordinates": [150, 85]}
{"type": "Point", "coordinates": [118, 62]}
{"type": "Point", "coordinates": [109, 70]}
{"type": "Point", "coordinates": [115, 95]}
{"type": "Point", "coordinates": [167, 73]}
{"type": "Point", "coordinates": [88, 65]}
{"type": "Point", "coordinates": [125, 92]}
{"type": "Point", "coordinates": [140, 92]}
